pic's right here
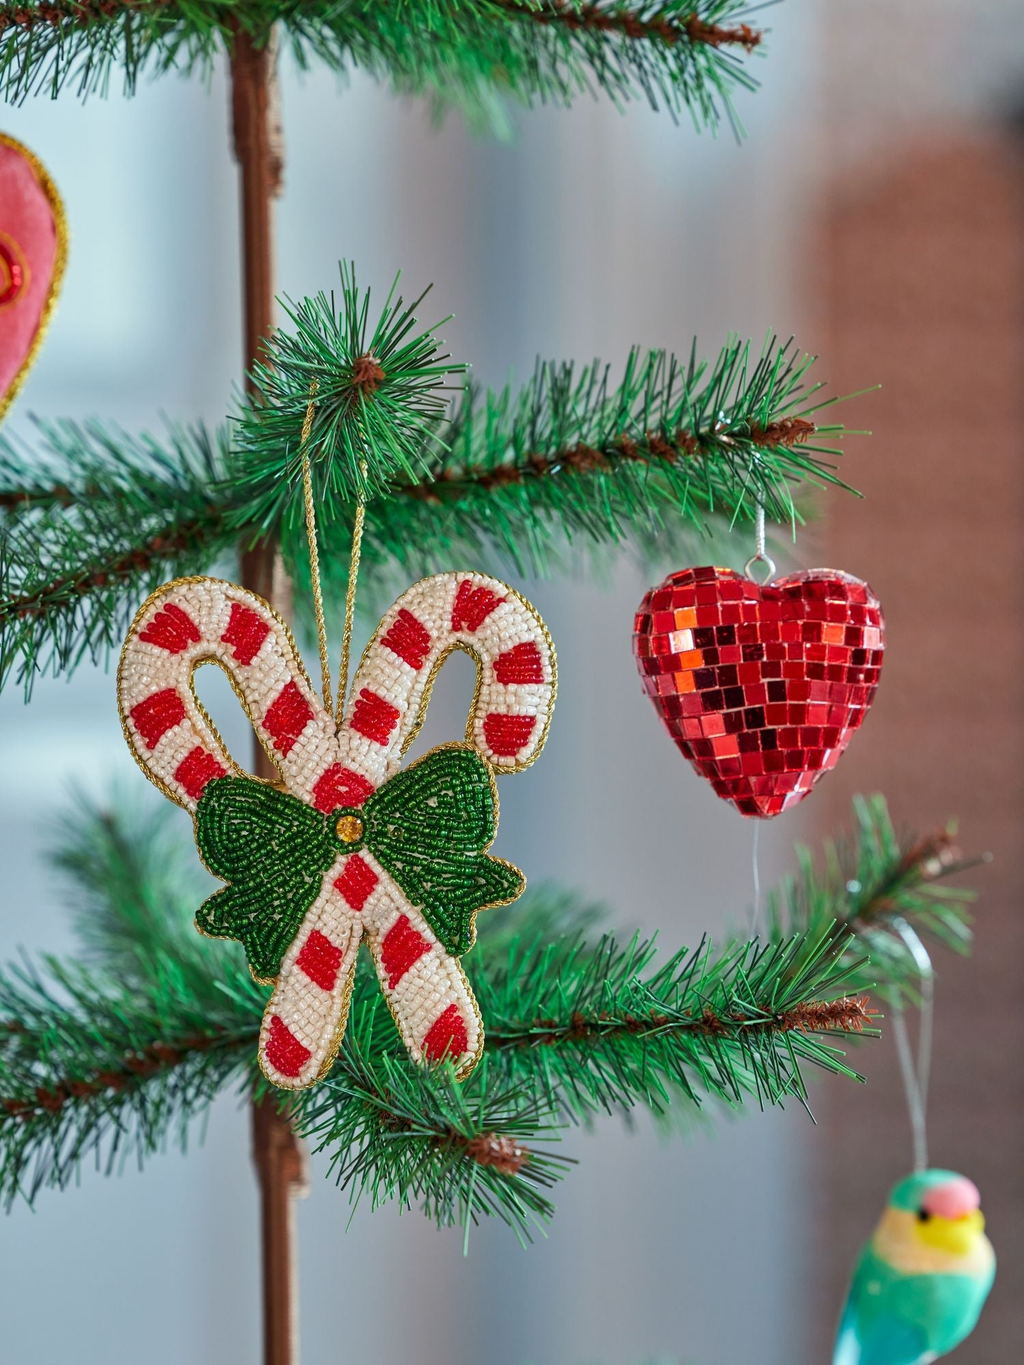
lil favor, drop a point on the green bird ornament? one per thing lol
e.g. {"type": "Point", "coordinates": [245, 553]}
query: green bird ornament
{"type": "Point", "coordinates": [923, 1278]}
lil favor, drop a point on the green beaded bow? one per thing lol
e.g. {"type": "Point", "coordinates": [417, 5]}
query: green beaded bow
{"type": "Point", "coordinates": [428, 827]}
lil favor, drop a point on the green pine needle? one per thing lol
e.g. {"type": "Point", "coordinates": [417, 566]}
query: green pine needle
{"type": "Point", "coordinates": [113, 1057]}
{"type": "Point", "coordinates": [90, 527]}
{"type": "Point", "coordinates": [881, 880]}
{"type": "Point", "coordinates": [461, 1153]}
{"type": "Point", "coordinates": [378, 398]}
{"type": "Point", "coordinates": [528, 481]}
{"type": "Point", "coordinates": [675, 54]}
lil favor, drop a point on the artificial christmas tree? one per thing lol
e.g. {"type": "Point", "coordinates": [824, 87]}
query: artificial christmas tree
{"type": "Point", "coordinates": [98, 520]}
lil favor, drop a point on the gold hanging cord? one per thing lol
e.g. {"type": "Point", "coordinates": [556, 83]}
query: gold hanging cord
{"type": "Point", "coordinates": [350, 593]}
{"type": "Point", "coordinates": [314, 567]}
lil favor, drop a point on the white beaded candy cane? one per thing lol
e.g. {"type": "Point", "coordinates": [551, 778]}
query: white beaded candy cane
{"type": "Point", "coordinates": [329, 766]}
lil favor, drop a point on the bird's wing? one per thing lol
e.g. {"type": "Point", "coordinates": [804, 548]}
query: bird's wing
{"type": "Point", "coordinates": [847, 1351]}
{"type": "Point", "coordinates": [877, 1328]}
{"type": "Point", "coordinates": [890, 1340]}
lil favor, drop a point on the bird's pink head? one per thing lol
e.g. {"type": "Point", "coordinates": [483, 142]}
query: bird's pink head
{"type": "Point", "coordinates": [954, 1198]}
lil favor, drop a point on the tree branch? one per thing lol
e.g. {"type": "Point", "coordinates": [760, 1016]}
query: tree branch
{"type": "Point", "coordinates": [31, 499]}
{"type": "Point", "coordinates": [592, 17]}
{"type": "Point", "coordinates": [653, 448]}
{"type": "Point", "coordinates": [136, 1069]}
{"type": "Point", "coordinates": [577, 1025]}
{"type": "Point", "coordinates": [925, 861]}
{"type": "Point", "coordinates": [57, 13]}
{"type": "Point", "coordinates": [874, 886]}
{"type": "Point", "coordinates": [166, 544]}
{"type": "Point", "coordinates": [629, 24]}
{"type": "Point", "coordinates": [847, 1015]}
{"type": "Point", "coordinates": [477, 53]}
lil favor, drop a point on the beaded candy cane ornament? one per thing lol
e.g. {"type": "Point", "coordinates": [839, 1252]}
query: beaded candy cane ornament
{"type": "Point", "coordinates": [351, 846]}
{"type": "Point", "coordinates": [348, 845]}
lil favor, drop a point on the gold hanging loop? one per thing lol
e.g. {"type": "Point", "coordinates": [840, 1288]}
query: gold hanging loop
{"type": "Point", "coordinates": [350, 593]}
{"type": "Point", "coordinates": [314, 558]}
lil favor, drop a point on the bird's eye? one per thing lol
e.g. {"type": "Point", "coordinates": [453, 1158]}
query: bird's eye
{"type": "Point", "coordinates": [923, 1215]}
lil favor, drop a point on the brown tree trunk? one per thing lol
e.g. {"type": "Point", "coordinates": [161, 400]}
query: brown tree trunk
{"type": "Point", "coordinates": [280, 1160]}
{"type": "Point", "coordinates": [278, 1155]}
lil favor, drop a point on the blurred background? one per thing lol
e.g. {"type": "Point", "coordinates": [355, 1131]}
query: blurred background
{"type": "Point", "coordinates": [876, 211]}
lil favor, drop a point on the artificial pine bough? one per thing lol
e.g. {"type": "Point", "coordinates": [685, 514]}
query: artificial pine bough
{"type": "Point", "coordinates": [676, 54]}
{"type": "Point", "coordinates": [108, 1058]}
{"type": "Point", "coordinates": [95, 519]}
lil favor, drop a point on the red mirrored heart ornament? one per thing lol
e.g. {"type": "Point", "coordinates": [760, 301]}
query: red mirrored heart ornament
{"type": "Point", "coordinates": [760, 686]}
{"type": "Point", "coordinates": [33, 247]}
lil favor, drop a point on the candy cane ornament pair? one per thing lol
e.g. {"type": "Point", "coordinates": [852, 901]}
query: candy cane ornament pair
{"type": "Point", "coordinates": [348, 845]}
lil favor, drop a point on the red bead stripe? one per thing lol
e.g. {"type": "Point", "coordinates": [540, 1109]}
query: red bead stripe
{"type": "Point", "coordinates": [472, 606]}
{"type": "Point", "coordinates": [447, 1036]}
{"type": "Point", "coordinates": [287, 717]}
{"type": "Point", "coordinates": [171, 629]}
{"type": "Point", "coordinates": [157, 714]}
{"type": "Point", "coordinates": [402, 947]}
{"type": "Point", "coordinates": [338, 786]}
{"type": "Point", "coordinates": [320, 960]}
{"type": "Point", "coordinates": [284, 1051]}
{"type": "Point", "coordinates": [409, 639]}
{"type": "Point", "coordinates": [356, 882]}
{"type": "Point", "coordinates": [507, 734]}
{"type": "Point", "coordinates": [374, 716]}
{"type": "Point", "coordinates": [521, 664]}
{"type": "Point", "coordinates": [246, 631]}
{"type": "Point", "coordinates": [196, 769]}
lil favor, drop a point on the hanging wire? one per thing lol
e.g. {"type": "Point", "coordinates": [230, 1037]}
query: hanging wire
{"type": "Point", "coordinates": [314, 558]}
{"type": "Point", "coordinates": [755, 909]}
{"type": "Point", "coordinates": [760, 555]}
{"type": "Point", "coordinates": [916, 1076]}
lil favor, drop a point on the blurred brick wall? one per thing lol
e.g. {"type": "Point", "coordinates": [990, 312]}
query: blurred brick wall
{"type": "Point", "coordinates": [921, 257]}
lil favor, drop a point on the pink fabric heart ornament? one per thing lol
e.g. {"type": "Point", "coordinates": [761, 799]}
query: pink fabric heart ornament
{"type": "Point", "coordinates": [33, 247]}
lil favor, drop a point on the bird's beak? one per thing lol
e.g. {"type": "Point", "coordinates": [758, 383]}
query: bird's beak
{"type": "Point", "coordinates": [957, 1236]}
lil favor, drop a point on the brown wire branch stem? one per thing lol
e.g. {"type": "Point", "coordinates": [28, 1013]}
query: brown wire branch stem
{"type": "Point", "coordinates": [135, 1068]}
{"type": "Point", "coordinates": [932, 857]}
{"type": "Point", "coordinates": [850, 1014]}
{"type": "Point", "coordinates": [24, 499]}
{"type": "Point", "coordinates": [784, 431]}
{"type": "Point", "coordinates": [498, 1151]}
{"type": "Point", "coordinates": [167, 543]}
{"type": "Point", "coordinates": [592, 18]}
{"type": "Point", "coordinates": [57, 13]}
{"type": "Point", "coordinates": [596, 18]}
{"type": "Point", "coordinates": [655, 447]}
